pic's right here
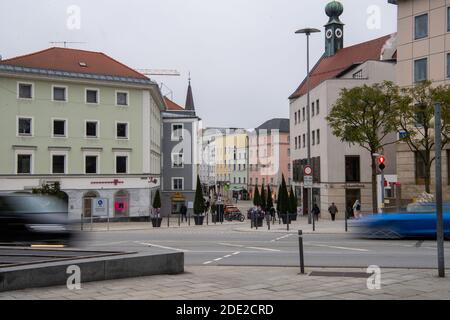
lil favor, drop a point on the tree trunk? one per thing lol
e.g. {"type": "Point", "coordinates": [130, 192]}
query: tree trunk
{"type": "Point", "coordinates": [374, 185]}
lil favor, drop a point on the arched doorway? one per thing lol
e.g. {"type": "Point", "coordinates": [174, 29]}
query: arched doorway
{"type": "Point", "coordinates": [87, 203]}
{"type": "Point", "coordinates": [122, 204]}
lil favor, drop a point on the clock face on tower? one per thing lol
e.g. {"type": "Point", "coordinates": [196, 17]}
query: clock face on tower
{"type": "Point", "coordinates": [338, 33]}
{"type": "Point", "coordinates": [329, 34]}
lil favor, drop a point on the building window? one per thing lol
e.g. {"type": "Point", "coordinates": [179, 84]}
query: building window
{"type": "Point", "coordinates": [59, 93]}
{"type": "Point", "coordinates": [313, 108]}
{"type": "Point", "coordinates": [177, 184]}
{"type": "Point", "coordinates": [317, 107]}
{"type": "Point", "coordinates": [91, 164]}
{"type": "Point", "coordinates": [121, 164]}
{"type": "Point", "coordinates": [122, 98]}
{"type": "Point", "coordinates": [58, 164]}
{"type": "Point", "coordinates": [420, 167]}
{"type": "Point", "coordinates": [25, 91]}
{"type": "Point", "coordinates": [177, 132]}
{"type": "Point", "coordinates": [352, 169]}
{"type": "Point", "coordinates": [296, 143]}
{"type": "Point", "coordinates": [177, 160]}
{"type": "Point", "coordinates": [313, 138]}
{"type": "Point", "coordinates": [358, 75]}
{"type": "Point", "coordinates": [59, 128]}
{"type": "Point", "coordinates": [448, 19]}
{"type": "Point", "coordinates": [122, 130]}
{"type": "Point", "coordinates": [421, 70]}
{"type": "Point", "coordinates": [304, 113]}
{"type": "Point", "coordinates": [421, 26]}
{"type": "Point", "coordinates": [295, 116]}
{"type": "Point", "coordinates": [318, 136]}
{"type": "Point", "coordinates": [91, 129]}
{"type": "Point", "coordinates": [122, 204]}
{"type": "Point", "coordinates": [92, 96]}
{"type": "Point", "coordinates": [24, 127]}
{"type": "Point", "coordinates": [448, 65]}
{"type": "Point", "coordinates": [24, 163]}
{"type": "Point", "coordinates": [304, 141]}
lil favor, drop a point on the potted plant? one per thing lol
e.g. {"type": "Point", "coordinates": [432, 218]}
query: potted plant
{"type": "Point", "coordinates": [257, 201]}
{"type": "Point", "coordinates": [292, 205]}
{"type": "Point", "coordinates": [283, 199]}
{"type": "Point", "coordinates": [199, 204]}
{"type": "Point", "coordinates": [156, 211]}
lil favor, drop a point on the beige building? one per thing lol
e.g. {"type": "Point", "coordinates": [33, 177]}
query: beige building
{"type": "Point", "coordinates": [423, 54]}
{"type": "Point", "coordinates": [342, 173]}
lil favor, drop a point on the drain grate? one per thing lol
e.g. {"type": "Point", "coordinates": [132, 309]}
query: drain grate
{"type": "Point", "coordinates": [339, 274]}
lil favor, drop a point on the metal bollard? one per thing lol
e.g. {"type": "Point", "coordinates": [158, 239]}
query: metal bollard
{"type": "Point", "coordinates": [288, 216]}
{"type": "Point", "coordinates": [268, 223]}
{"type": "Point", "coordinates": [300, 248]}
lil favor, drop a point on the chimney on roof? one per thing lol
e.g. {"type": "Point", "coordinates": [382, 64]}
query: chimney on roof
{"type": "Point", "coordinates": [190, 97]}
{"type": "Point", "coordinates": [334, 29]}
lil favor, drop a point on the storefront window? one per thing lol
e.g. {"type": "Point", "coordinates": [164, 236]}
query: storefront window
{"type": "Point", "coordinates": [121, 204]}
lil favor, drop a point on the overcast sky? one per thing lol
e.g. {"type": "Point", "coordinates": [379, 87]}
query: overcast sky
{"type": "Point", "coordinates": [243, 55]}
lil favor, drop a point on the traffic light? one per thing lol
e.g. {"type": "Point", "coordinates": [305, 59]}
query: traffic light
{"type": "Point", "coordinates": [381, 162]}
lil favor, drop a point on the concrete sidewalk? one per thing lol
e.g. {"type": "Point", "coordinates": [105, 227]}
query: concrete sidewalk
{"type": "Point", "coordinates": [173, 225]}
{"type": "Point", "coordinates": [321, 227]}
{"type": "Point", "coordinates": [253, 283]}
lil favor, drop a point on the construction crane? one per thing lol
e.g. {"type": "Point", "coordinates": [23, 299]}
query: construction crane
{"type": "Point", "coordinates": [65, 43]}
{"type": "Point", "coordinates": [165, 90]}
{"type": "Point", "coordinates": [159, 72]}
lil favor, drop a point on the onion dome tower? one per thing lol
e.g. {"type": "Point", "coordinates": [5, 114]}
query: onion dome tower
{"type": "Point", "coordinates": [334, 29]}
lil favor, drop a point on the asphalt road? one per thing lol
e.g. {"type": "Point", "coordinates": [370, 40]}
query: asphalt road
{"type": "Point", "coordinates": [225, 247]}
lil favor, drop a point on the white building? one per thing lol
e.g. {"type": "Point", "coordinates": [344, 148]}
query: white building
{"type": "Point", "coordinates": [342, 173]}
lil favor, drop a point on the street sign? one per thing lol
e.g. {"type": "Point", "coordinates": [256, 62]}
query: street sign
{"type": "Point", "coordinates": [100, 207]}
{"type": "Point", "coordinates": [308, 181]}
{"type": "Point", "coordinates": [308, 171]}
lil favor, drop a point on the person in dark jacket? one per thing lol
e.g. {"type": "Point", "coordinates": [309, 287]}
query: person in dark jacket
{"type": "Point", "coordinates": [333, 210]}
{"type": "Point", "coordinates": [183, 212]}
{"type": "Point", "coordinates": [316, 212]}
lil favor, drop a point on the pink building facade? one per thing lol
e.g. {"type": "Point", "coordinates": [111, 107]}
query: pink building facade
{"type": "Point", "coordinates": [269, 155]}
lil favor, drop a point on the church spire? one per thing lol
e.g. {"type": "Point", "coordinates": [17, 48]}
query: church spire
{"type": "Point", "coordinates": [190, 97]}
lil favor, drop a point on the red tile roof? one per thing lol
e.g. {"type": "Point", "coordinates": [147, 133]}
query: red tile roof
{"type": "Point", "coordinates": [69, 60]}
{"type": "Point", "coordinates": [172, 106]}
{"type": "Point", "coordinates": [330, 67]}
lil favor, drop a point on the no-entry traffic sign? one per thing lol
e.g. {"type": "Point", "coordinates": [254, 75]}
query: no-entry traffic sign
{"type": "Point", "coordinates": [308, 171]}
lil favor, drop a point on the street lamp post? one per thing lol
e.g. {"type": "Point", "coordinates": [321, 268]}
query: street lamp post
{"type": "Point", "coordinates": [307, 32]}
{"type": "Point", "coordinates": [439, 218]}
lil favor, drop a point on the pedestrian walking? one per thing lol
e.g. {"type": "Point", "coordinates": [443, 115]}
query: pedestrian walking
{"type": "Point", "coordinates": [183, 212]}
{"type": "Point", "coordinates": [333, 210]}
{"type": "Point", "coordinates": [316, 212]}
{"type": "Point", "coordinates": [357, 209]}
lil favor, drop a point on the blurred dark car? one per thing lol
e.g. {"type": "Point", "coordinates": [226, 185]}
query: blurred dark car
{"type": "Point", "coordinates": [399, 225]}
{"type": "Point", "coordinates": [34, 219]}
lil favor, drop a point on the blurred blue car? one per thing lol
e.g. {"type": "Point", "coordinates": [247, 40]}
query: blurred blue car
{"type": "Point", "coordinates": [417, 224]}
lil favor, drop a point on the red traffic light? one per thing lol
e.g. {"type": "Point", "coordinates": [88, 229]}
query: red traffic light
{"type": "Point", "coordinates": [381, 159]}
